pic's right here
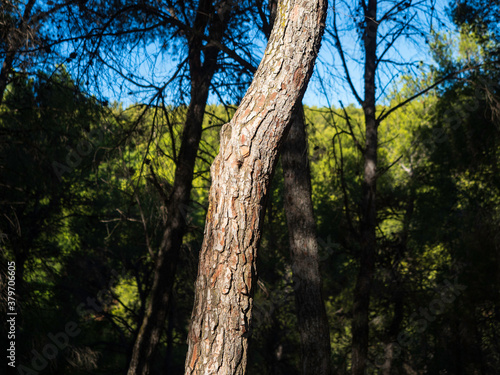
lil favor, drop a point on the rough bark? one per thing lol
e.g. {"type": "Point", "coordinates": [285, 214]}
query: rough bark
{"type": "Point", "coordinates": [167, 257]}
{"type": "Point", "coordinates": [241, 173]}
{"type": "Point", "coordinates": [311, 314]}
{"type": "Point", "coordinates": [362, 290]}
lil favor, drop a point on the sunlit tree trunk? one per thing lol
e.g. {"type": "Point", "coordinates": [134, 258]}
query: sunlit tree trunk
{"type": "Point", "coordinates": [241, 173]}
{"type": "Point", "coordinates": [362, 290]}
{"type": "Point", "coordinates": [311, 314]}
{"type": "Point", "coordinates": [166, 262]}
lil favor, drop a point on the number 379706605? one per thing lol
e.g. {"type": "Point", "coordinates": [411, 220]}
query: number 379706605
{"type": "Point", "coordinates": [11, 285]}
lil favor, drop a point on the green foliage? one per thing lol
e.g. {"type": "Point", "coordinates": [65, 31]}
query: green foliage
{"type": "Point", "coordinates": [84, 191]}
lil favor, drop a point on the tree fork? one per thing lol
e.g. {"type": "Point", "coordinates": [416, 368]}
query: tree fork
{"type": "Point", "coordinates": [241, 173]}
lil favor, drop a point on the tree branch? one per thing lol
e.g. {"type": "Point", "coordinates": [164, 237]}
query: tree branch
{"type": "Point", "coordinates": [338, 45]}
{"type": "Point", "coordinates": [420, 93]}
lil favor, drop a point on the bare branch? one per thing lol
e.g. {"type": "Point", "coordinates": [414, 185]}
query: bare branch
{"type": "Point", "coordinates": [338, 45]}
{"type": "Point", "coordinates": [427, 89]}
{"type": "Point", "coordinates": [351, 132]}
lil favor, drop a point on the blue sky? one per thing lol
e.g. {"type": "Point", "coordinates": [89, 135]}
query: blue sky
{"type": "Point", "coordinates": [328, 68]}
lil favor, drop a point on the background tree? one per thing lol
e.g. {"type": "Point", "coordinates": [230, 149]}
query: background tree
{"type": "Point", "coordinates": [379, 29]}
{"type": "Point", "coordinates": [202, 70]}
{"type": "Point", "coordinates": [25, 43]}
{"type": "Point", "coordinates": [304, 249]}
{"type": "Point", "coordinates": [42, 183]}
{"type": "Point", "coordinates": [199, 26]}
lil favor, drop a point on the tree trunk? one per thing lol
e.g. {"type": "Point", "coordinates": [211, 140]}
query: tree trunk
{"type": "Point", "coordinates": [241, 173]}
{"type": "Point", "coordinates": [168, 254]}
{"type": "Point", "coordinates": [311, 314]}
{"type": "Point", "coordinates": [360, 322]}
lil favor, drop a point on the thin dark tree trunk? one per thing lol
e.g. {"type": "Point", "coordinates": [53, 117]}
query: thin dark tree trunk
{"type": "Point", "coordinates": [241, 174]}
{"type": "Point", "coordinates": [167, 258]}
{"type": "Point", "coordinates": [311, 313]}
{"type": "Point", "coordinates": [361, 303]}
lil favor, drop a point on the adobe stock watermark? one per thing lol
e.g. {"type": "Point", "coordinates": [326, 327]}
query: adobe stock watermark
{"type": "Point", "coordinates": [74, 157]}
{"type": "Point", "coordinates": [59, 341]}
{"type": "Point", "coordinates": [447, 293]}
{"type": "Point", "coordinates": [11, 313]}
